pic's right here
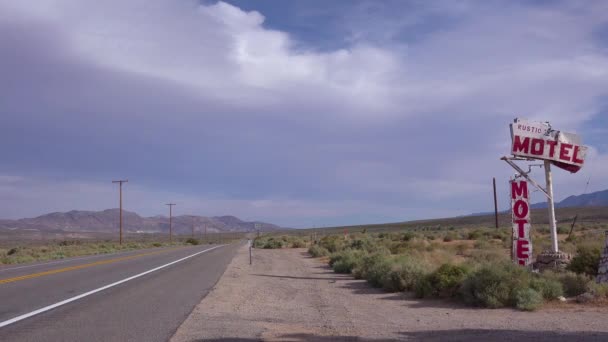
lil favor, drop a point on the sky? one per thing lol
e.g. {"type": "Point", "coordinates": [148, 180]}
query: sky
{"type": "Point", "coordinates": [300, 113]}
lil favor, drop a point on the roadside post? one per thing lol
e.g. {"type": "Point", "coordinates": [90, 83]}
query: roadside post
{"type": "Point", "coordinates": [538, 141]}
{"type": "Point", "coordinates": [249, 244]}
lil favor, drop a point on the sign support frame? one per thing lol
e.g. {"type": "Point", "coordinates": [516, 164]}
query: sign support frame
{"type": "Point", "coordinates": [548, 192]}
{"type": "Point", "coordinates": [551, 207]}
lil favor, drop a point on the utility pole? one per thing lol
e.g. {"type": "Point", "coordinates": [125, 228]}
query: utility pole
{"type": "Point", "coordinates": [170, 222]}
{"type": "Point", "coordinates": [495, 203]}
{"type": "Point", "coordinates": [120, 210]}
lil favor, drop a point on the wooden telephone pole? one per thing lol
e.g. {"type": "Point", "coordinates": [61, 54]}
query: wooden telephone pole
{"type": "Point", "coordinates": [120, 210]}
{"type": "Point", "coordinates": [170, 222]}
{"type": "Point", "coordinates": [495, 203]}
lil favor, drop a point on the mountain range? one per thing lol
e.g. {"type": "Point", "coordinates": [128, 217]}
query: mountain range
{"type": "Point", "coordinates": [594, 199]}
{"type": "Point", "coordinates": [108, 220]}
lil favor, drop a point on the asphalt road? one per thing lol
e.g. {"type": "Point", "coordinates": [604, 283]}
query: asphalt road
{"type": "Point", "coordinates": [149, 307]}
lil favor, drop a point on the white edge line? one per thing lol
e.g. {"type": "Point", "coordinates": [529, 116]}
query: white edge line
{"type": "Point", "coordinates": [69, 300]}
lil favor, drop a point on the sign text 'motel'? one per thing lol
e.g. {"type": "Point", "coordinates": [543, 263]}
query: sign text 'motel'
{"type": "Point", "coordinates": [537, 140]}
{"type": "Point", "coordinates": [520, 209]}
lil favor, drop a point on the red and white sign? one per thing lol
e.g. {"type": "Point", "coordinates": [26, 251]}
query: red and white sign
{"type": "Point", "coordinates": [520, 209]}
{"type": "Point", "coordinates": [537, 140]}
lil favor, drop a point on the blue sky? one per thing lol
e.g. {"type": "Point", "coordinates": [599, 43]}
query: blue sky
{"type": "Point", "coordinates": [300, 113]}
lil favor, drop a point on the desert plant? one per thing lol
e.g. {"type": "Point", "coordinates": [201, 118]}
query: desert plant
{"type": "Point", "coordinates": [573, 284]}
{"type": "Point", "coordinates": [444, 282]}
{"type": "Point", "coordinates": [318, 251]}
{"type": "Point", "coordinates": [599, 291]}
{"type": "Point", "coordinates": [333, 243]}
{"type": "Point", "coordinates": [494, 285]}
{"type": "Point", "coordinates": [528, 299]}
{"type": "Point", "coordinates": [192, 241]}
{"type": "Point", "coordinates": [403, 275]}
{"type": "Point", "coordinates": [372, 267]}
{"type": "Point", "coordinates": [549, 288]}
{"type": "Point", "coordinates": [586, 261]}
{"type": "Point", "coordinates": [273, 244]}
{"type": "Point", "coordinates": [297, 243]}
{"type": "Point", "coordinates": [345, 261]}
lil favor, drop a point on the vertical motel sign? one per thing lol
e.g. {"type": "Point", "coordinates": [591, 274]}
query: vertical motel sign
{"type": "Point", "coordinates": [520, 209]}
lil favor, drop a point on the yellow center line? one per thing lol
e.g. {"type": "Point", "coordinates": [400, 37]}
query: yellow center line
{"type": "Point", "coordinates": [78, 267]}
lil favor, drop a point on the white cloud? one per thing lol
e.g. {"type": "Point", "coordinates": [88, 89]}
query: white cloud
{"type": "Point", "coordinates": [492, 64]}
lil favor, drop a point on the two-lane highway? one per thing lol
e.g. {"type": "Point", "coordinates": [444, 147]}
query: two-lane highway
{"type": "Point", "coordinates": [134, 296]}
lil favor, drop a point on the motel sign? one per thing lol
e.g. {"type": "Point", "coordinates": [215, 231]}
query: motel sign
{"type": "Point", "coordinates": [538, 141]}
{"type": "Point", "coordinates": [520, 209]}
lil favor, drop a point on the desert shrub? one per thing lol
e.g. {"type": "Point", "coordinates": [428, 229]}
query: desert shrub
{"type": "Point", "coordinates": [599, 291]}
{"type": "Point", "coordinates": [345, 261]}
{"type": "Point", "coordinates": [364, 243]}
{"type": "Point", "coordinates": [259, 242]}
{"type": "Point", "coordinates": [192, 241]}
{"type": "Point", "coordinates": [333, 243]}
{"type": "Point", "coordinates": [380, 269]}
{"type": "Point", "coordinates": [494, 286]}
{"type": "Point", "coordinates": [318, 251]}
{"type": "Point", "coordinates": [157, 244]}
{"type": "Point", "coordinates": [70, 242]}
{"type": "Point", "coordinates": [528, 299]}
{"type": "Point", "coordinates": [550, 289]}
{"type": "Point", "coordinates": [586, 261]}
{"type": "Point", "coordinates": [444, 282]}
{"type": "Point", "coordinates": [12, 251]}
{"type": "Point", "coordinates": [482, 244]}
{"type": "Point", "coordinates": [403, 275]}
{"type": "Point", "coordinates": [273, 244]}
{"type": "Point", "coordinates": [407, 236]}
{"type": "Point", "coordinates": [298, 243]}
{"type": "Point", "coordinates": [563, 230]}
{"type": "Point", "coordinates": [488, 256]}
{"type": "Point", "coordinates": [474, 235]}
{"type": "Point", "coordinates": [449, 237]}
{"type": "Point", "coordinates": [372, 267]}
{"type": "Point", "coordinates": [461, 248]}
{"type": "Point", "coordinates": [574, 284]}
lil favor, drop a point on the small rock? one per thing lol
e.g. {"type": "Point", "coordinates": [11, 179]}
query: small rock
{"type": "Point", "coordinates": [585, 298]}
{"type": "Point", "coordinates": [561, 298]}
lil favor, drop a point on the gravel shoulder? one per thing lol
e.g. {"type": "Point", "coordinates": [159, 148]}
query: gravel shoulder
{"type": "Point", "coordinates": [288, 296]}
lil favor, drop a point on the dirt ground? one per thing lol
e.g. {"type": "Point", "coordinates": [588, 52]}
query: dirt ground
{"type": "Point", "coordinates": [288, 296]}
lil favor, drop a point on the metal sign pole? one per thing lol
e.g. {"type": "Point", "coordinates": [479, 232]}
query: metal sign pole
{"type": "Point", "coordinates": [551, 206]}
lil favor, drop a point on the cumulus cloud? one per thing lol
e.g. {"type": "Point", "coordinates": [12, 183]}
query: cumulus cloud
{"type": "Point", "coordinates": [405, 116]}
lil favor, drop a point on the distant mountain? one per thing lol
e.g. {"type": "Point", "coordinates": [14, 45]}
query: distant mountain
{"type": "Point", "coordinates": [108, 220]}
{"type": "Point", "coordinates": [594, 199]}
